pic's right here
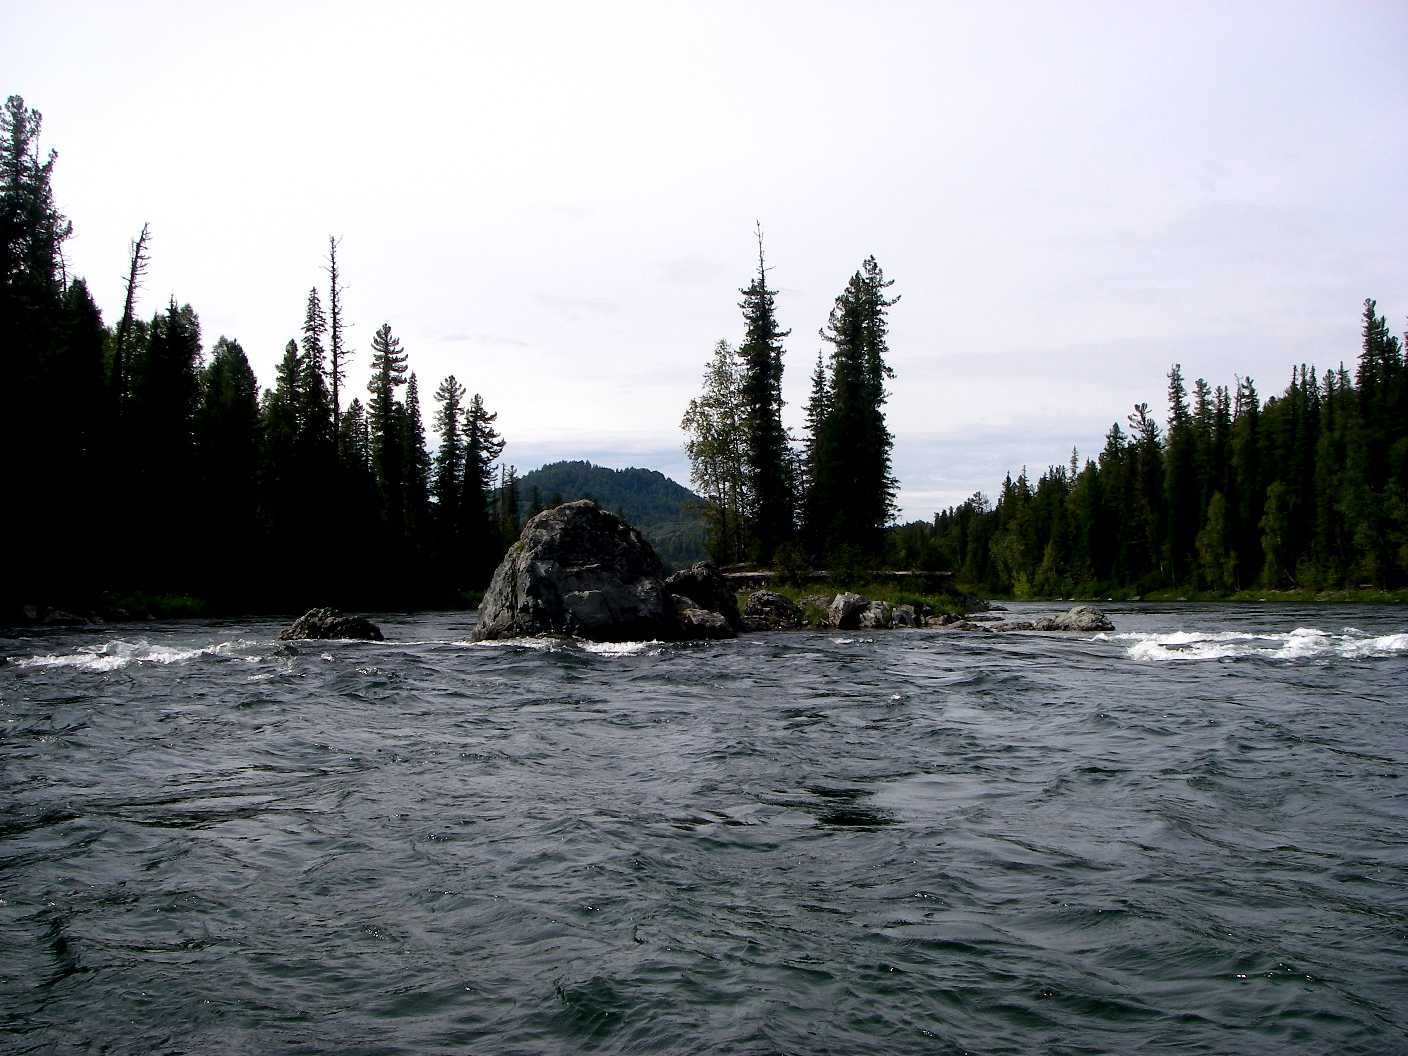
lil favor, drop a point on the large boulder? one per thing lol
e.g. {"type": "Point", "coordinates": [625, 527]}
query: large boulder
{"type": "Point", "coordinates": [845, 610]}
{"type": "Point", "coordinates": [705, 588]}
{"type": "Point", "coordinates": [579, 570]}
{"type": "Point", "coordinates": [329, 623]}
{"type": "Point", "coordinates": [768, 611]}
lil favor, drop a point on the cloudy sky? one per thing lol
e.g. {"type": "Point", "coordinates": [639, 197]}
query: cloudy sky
{"type": "Point", "coordinates": [555, 201]}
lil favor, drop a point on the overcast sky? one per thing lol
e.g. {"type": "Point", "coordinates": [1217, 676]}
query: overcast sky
{"type": "Point", "coordinates": [555, 201]}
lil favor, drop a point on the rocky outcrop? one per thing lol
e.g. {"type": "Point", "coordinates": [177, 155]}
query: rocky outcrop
{"type": "Point", "coordinates": [582, 571]}
{"type": "Point", "coordinates": [905, 616]}
{"type": "Point", "coordinates": [329, 623]}
{"type": "Point", "coordinates": [767, 611]}
{"type": "Point", "coordinates": [705, 588]}
{"type": "Point", "coordinates": [845, 609]}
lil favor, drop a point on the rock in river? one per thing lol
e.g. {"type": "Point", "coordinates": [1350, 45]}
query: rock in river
{"type": "Point", "coordinates": [329, 623]}
{"type": "Point", "coordinates": [579, 570]}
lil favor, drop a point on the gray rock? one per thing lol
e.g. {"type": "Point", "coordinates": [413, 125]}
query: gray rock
{"type": "Point", "coordinates": [845, 610]}
{"type": "Point", "coordinates": [877, 616]}
{"type": "Point", "coordinates": [767, 611]}
{"type": "Point", "coordinates": [329, 623]}
{"type": "Point", "coordinates": [701, 623]}
{"type": "Point", "coordinates": [1085, 618]}
{"type": "Point", "coordinates": [579, 570]}
{"type": "Point", "coordinates": [905, 616]}
{"type": "Point", "coordinates": [1081, 619]}
{"type": "Point", "coordinates": [703, 586]}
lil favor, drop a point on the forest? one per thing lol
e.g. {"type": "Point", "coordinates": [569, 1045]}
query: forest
{"type": "Point", "coordinates": [146, 468]}
{"type": "Point", "coordinates": [1306, 491]}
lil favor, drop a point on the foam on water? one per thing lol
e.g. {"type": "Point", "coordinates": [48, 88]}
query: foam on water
{"type": "Point", "coordinates": [119, 653]}
{"type": "Point", "coordinates": [613, 649]}
{"type": "Point", "coordinates": [1303, 643]}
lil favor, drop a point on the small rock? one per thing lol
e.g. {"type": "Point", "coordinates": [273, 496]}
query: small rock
{"type": "Point", "coordinates": [905, 616]}
{"type": "Point", "coordinates": [329, 623]}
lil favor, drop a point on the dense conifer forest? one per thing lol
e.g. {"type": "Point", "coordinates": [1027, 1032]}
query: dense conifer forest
{"type": "Point", "coordinates": [1308, 490]}
{"type": "Point", "coordinates": [145, 465]}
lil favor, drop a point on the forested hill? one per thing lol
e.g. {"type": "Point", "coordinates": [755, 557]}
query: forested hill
{"type": "Point", "coordinates": [667, 513]}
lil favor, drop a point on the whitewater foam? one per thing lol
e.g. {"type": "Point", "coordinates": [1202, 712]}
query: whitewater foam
{"type": "Point", "coordinates": [118, 653]}
{"type": "Point", "coordinates": [1303, 643]}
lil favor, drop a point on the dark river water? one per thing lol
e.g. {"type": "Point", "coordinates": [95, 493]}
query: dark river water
{"type": "Point", "coordinates": [1190, 836]}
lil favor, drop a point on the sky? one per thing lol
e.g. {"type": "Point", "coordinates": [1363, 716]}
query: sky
{"type": "Point", "coordinates": [556, 202]}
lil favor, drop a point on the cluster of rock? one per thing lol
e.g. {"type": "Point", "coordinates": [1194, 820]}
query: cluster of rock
{"type": "Point", "coordinates": [581, 571]}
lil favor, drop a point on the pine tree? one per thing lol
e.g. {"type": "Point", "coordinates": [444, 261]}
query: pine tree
{"type": "Point", "coordinates": [417, 466]}
{"type": "Point", "coordinates": [482, 447]}
{"type": "Point", "coordinates": [449, 456]}
{"type": "Point", "coordinates": [388, 462]}
{"type": "Point", "coordinates": [852, 480]}
{"type": "Point", "coordinates": [768, 463]}
{"type": "Point", "coordinates": [227, 457]}
{"type": "Point", "coordinates": [316, 424]}
{"type": "Point", "coordinates": [337, 363]}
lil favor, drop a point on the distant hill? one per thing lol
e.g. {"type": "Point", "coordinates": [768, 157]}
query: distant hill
{"type": "Point", "coordinates": [668, 514]}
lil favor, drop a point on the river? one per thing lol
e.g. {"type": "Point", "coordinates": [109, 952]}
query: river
{"type": "Point", "coordinates": [1188, 836]}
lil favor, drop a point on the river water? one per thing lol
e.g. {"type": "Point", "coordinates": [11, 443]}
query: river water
{"type": "Point", "coordinates": [1189, 836]}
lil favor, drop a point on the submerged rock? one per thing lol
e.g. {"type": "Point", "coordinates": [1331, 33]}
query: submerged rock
{"type": "Point", "coordinates": [579, 570]}
{"type": "Point", "coordinates": [702, 585]}
{"type": "Point", "coordinates": [329, 623]}
{"type": "Point", "coordinates": [768, 611]}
